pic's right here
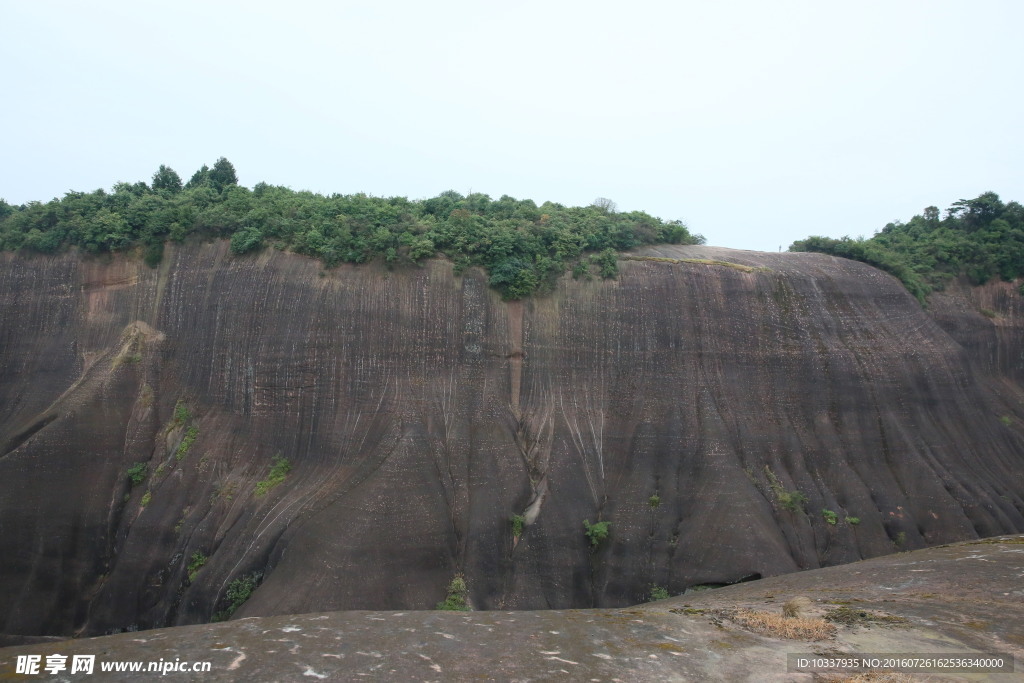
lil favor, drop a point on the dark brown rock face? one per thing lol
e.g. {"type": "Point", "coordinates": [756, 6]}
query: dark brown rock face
{"type": "Point", "coordinates": [683, 404]}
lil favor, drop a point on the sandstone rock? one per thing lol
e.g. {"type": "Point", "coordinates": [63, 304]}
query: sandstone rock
{"type": "Point", "coordinates": [419, 413]}
{"type": "Point", "coordinates": [955, 601]}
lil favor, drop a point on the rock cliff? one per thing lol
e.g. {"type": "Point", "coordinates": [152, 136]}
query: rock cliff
{"type": "Point", "coordinates": [711, 405]}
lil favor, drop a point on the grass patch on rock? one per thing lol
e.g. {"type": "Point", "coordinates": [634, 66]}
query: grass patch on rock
{"type": "Point", "coordinates": [778, 626]}
{"type": "Point", "coordinates": [278, 472]}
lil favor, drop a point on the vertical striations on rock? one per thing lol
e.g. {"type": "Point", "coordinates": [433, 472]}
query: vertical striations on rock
{"type": "Point", "coordinates": [710, 405]}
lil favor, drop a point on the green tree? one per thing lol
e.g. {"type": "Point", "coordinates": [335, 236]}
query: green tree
{"type": "Point", "coordinates": [222, 174]}
{"type": "Point", "coordinates": [106, 231]}
{"type": "Point", "coordinates": [166, 179]}
{"type": "Point", "coordinates": [199, 178]}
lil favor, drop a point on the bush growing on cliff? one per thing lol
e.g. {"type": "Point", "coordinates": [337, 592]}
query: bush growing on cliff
{"type": "Point", "coordinates": [239, 590]}
{"type": "Point", "coordinates": [522, 246]}
{"type": "Point", "coordinates": [457, 599]}
{"type": "Point", "coordinates": [186, 443]}
{"type": "Point", "coordinates": [196, 563]}
{"type": "Point", "coordinates": [979, 239]}
{"type": "Point", "coordinates": [278, 471]}
{"type": "Point", "coordinates": [518, 521]}
{"type": "Point", "coordinates": [658, 593]}
{"type": "Point", "coordinates": [792, 500]}
{"type": "Point", "coordinates": [137, 472]}
{"type": "Point", "coordinates": [181, 413]}
{"type": "Point", "coordinates": [596, 532]}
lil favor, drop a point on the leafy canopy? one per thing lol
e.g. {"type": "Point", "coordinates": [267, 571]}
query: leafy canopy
{"type": "Point", "coordinates": [522, 246]}
{"type": "Point", "coordinates": [979, 239]}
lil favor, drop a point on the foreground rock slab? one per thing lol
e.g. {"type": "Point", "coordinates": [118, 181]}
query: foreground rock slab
{"type": "Point", "coordinates": [956, 599]}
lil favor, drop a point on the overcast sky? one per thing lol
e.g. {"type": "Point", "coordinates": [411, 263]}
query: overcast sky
{"type": "Point", "coordinates": [755, 122]}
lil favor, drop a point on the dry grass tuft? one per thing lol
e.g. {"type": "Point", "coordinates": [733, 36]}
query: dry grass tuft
{"type": "Point", "coordinates": [797, 607]}
{"type": "Point", "coordinates": [778, 626]}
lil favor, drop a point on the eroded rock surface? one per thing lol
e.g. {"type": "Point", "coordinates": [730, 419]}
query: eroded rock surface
{"type": "Point", "coordinates": [953, 600]}
{"type": "Point", "coordinates": [684, 403]}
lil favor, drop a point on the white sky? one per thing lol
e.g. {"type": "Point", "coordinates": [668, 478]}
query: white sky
{"type": "Point", "coordinates": [756, 122]}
